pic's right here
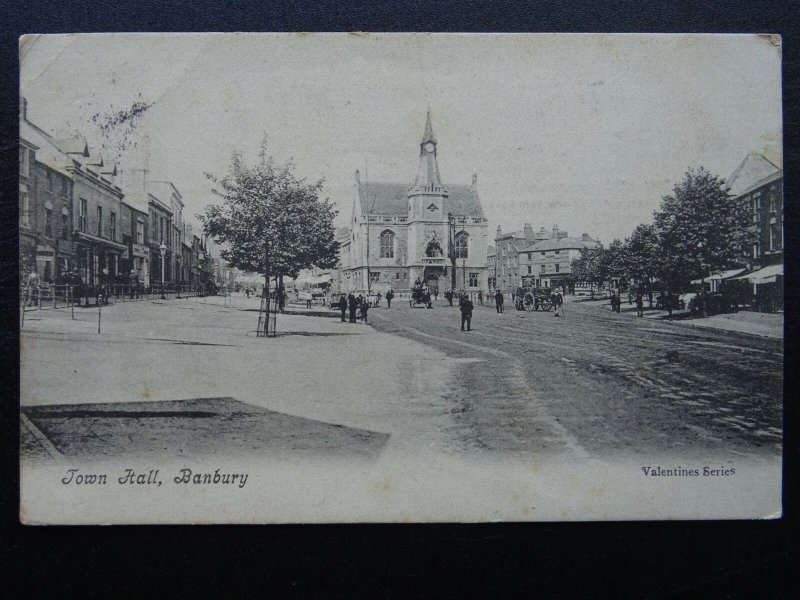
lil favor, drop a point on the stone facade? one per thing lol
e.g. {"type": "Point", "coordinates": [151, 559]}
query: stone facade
{"type": "Point", "coordinates": [400, 233]}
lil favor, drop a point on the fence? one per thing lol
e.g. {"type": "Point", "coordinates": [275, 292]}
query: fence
{"type": "Point", "coordinates": [65, 296]}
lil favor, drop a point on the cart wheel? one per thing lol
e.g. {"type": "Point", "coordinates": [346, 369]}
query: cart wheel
{"type": "Point", "coordinates": [529, 302]}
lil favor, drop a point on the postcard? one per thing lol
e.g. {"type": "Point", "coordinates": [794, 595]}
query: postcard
{"type": "Point", "coordinates": [368, 277]}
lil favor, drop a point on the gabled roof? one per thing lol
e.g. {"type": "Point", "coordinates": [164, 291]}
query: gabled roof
{"type": "Point", "coordinates": [753, 168]}
{"type": "Point", "coordinates": [47, 151]}
{"type": "Point", "coordinates": [391, 199]}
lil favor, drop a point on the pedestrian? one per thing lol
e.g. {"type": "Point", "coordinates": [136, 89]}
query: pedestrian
{"type": "Point", "coordinates": [480, 297]}
{"type": "Point", "coordinates": [639, 303]}
{"type": "Point", "coordinates": [436, 294]}
{"type": "Point", "coordinates": [134, 284]}
{"type": "Point", "coordinates": [466, 312]}
{"type": "Point", "coordinates": [343, 305]}
{"type": "Point", "coordinates": [498, 301]}
{"type": "Point", "coordinates": [364, 310]}
{"type": "Point", "coordinates": [389, 296]}
{"type": "Point", "coordinates": [352, 305]}
{"type": "Point", "coordinates": [33, 285]}
{"type": "Point", "coordinates": [558, 302]}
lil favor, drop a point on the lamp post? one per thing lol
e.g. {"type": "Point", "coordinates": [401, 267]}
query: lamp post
{"type": "Point", "coordinates": [163, 249]}
{"type": "Point", "coordinates": [464, 253]}
{"type": "Point", "coordinates": [451, 231]}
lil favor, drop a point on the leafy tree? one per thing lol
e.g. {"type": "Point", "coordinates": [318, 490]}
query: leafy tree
{"type": "Point", "coordinates": [701, 229]}
{"type": "Point", "coordinates": [269, 221]}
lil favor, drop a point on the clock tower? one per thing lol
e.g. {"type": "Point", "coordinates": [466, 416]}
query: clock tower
{"type": "Point", "coordinates": [427, 218]}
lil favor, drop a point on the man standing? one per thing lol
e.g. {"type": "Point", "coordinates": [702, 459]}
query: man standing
{"type": "Point", "coordinates": [364, 310]}
{"type": "Point", "coordinates": [639, 303]}
{"type": "Point", "coordinates": [466, 312]}
{"type": "Point", "coordinates": [133, 281]}
{"type": "Point", "coordinates": [389, 296]}
{"type": "Point", "coordinates": [498, 301]}
{"type": "Point", "coordinates": [352, 304]}
{"type": "Point", "coordinates": [480, 297]}
{"type": "Point", "coordinates": [343, 305]}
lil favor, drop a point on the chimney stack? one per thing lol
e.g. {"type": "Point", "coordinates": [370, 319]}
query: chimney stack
{"type": "Point", "coordinates": [499, 231]}
{"type": "Point", "coordinates": [527, 231]}
{"type": "Point", "coordinates": [555, 232]}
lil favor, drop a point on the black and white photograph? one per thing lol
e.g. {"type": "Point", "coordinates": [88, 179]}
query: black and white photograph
{"type": "Point", "coordinates": [373, 277]}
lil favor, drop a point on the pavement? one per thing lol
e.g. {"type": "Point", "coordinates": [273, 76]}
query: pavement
{"type": "Point", "coordinates": [768, 325]}
{"type": "Point", "coordinates": [317, 379]}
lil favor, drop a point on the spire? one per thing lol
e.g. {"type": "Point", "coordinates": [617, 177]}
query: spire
{"type": "Point", "coordinates": [428, 171]}
{"type": "Point", "coordinates": [428, 135]}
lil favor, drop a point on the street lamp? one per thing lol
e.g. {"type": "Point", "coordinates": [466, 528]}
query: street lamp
{"type": "Point", "coordinates": [451, 230]}
{"type": "Point", "coordinates": [163, 249]}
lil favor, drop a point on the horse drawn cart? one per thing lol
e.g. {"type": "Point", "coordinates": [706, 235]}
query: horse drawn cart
{"type": "Point", "coordinates": [534, 298]}
{"type": "Point", "coordinates": [420, 296]}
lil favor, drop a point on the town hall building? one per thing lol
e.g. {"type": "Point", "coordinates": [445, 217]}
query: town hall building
{"type": "Point", "coordinates": [400, 233]}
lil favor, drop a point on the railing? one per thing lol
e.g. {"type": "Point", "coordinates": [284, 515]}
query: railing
{"type": "Point", "coordinates": [64, 295]}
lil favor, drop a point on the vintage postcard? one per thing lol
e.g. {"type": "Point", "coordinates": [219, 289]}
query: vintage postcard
{"type": "Point", "coordinates": [274, 278]}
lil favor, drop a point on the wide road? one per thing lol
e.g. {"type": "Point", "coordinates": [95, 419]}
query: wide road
{"type": "Point", "coordinates": [595, 383]}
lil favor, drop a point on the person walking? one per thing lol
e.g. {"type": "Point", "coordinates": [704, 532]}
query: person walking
{"type": "Point", "coordinates": [389, 296]}
{"type": "Point", "coordinates": [343, 306]}
{"type": "Point", "coordinates": [558, 303]}
{"type": "Point", "coordinates": [364, 310]}
{"type": "Point", "coordinates": [33, 288]}
{"type": "Point", "coordinates": [466, 307]}
{"type": "Point", "coordinates": [480, 297]}
{"type": "Point", "coordinates": [498, 301]}
{"type": "Point", "coordinates": [352, 305]}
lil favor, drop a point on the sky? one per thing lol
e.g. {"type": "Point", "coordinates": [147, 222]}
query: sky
{"type": "Point", "coordinates": [586, 132]}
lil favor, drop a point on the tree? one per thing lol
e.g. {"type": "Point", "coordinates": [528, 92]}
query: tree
{"type": "Point", "coordinates": [701, 229]}
{"type": "Point", "coordinates": [269, 221]}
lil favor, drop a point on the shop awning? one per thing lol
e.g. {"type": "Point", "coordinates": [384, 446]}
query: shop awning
{"type": "Point", "coordinates": [729, 274]}
{"type": "Point", "coordinates": [768, 274]}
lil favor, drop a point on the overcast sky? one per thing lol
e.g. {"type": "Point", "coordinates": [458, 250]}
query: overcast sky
{"type": "Point", "coordinates": [586, 132]}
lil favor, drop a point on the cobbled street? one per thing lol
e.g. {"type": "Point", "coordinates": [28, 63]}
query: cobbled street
{"type": "Point", "coordinates": [598, 383]}
{"type": "Point", "coordinates": [528, 385]}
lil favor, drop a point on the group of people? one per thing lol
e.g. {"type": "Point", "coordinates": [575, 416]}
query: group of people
{"type": "Point", "coordinates": [356, 304]}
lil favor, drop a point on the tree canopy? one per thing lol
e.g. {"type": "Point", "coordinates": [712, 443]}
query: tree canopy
{"type": "Point", "coordinates": [268, 220]}
{"type": "Point", "coordinates": [697, 230]}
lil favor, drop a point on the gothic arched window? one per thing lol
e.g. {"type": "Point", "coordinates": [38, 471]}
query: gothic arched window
{"type": "Point", "coordinates": [387, 244]}
{"type": "Point", "coordinates": [461, 244]}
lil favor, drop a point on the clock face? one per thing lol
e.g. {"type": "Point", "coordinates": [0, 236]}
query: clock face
{"type": "Point", "coordinates": [429, 146]}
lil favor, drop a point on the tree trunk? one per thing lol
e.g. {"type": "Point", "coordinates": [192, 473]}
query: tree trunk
{"type": "Point", "coordinates": [279, 291]}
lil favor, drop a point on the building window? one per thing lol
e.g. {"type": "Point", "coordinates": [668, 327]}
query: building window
{"type": "Point", "coordinates": [461, 244]}
{"type": "Point", "coordinates": [48, 180]}
{"type": "Point", "coordinates": [544, 253]}
{"type": "Point", "coordinates": [397, 275]}
{"type": "Point", "coordinates": [530, 268]}
{"type": "Point", "coordinates": [48, 222]}
{"type": "Point", "coordinates": [773, 238]}
{"type": "Point", "coordinates": [756, 250]}
{"type": "Point", "coordinates": [757, 208]}
{"type": "Point", "coordinates": [387, 244]}
{"type": "Point", "coordinates": [153, 226]}
{"type": "Point", "coordinates": [542, 268]}
{"type": "Point", "coordinates": [558, 252]}
{"type": "Point", "coordinates": [64, 188]}
{"type": "Point", "coordinates": [162, 230]}
{"type": "Point", "coordinates": [139, 232]}
{"type": "Point", "coordinates": [473, 280]}
{"type": "Point", "coordinates": [25, 209]}
{"type": "Point", "coordinates": [99, 221]}
{"type": "Point", "coordinates": [114, 226]}
{"type": "Point", "coordinates": [82, 215]}
{"type": "Point", "coordinates": [23, 161]}
{"type": "Point", "coordinates": [557, 265]}
{"type": "Point", "coordinates": [64, 227]}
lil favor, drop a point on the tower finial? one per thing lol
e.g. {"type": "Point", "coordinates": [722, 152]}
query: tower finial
{"type": "Point", "coordinates": [428, 135]}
